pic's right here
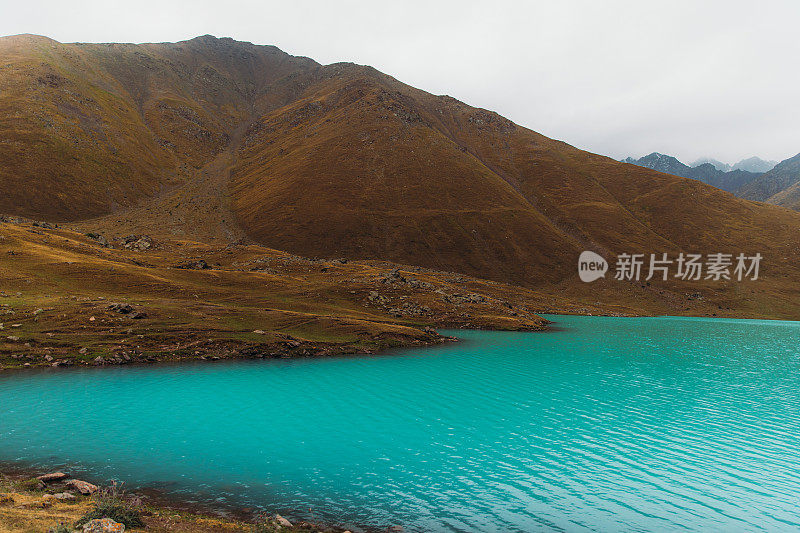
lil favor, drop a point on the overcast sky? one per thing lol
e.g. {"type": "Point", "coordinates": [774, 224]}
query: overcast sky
{"type": "Point", "coordinates": [688, 78]}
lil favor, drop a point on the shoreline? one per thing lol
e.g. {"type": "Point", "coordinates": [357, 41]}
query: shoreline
{"type": "Point", "coordinates": [155, 504]}
{"type": "Point", "coordinates": [303, 350]}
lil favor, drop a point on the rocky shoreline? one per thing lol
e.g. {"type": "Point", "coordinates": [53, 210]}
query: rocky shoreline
{"type": "Point", "coordinates": [59, 503]}
{"type": "Point", "coordinates": [219, 350]}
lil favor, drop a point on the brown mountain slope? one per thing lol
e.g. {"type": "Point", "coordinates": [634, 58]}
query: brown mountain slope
{"type": "Point", "coordinates": [779, 186]}
{"type": "Point", "coordinates": [364, 166]}
{"type": "Point", "coordinates": [219, 141]}
{"type": "Point", "coordinates": [783, 176]}
{"type": "Point", "coordinates": [789, 197]}
{"type": "Point", "coordinates": [89, 128]}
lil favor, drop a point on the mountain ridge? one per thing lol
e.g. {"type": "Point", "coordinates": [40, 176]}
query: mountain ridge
{"type": "Point", "coordinates": [779, 186]}
{"type": "Point", "coordinates": [217, 140]}
{"type": "Point", "coordinates": [731, 180]}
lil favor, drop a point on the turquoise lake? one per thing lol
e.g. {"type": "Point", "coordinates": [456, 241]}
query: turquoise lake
{"type": "Point", "coordinates": [604, 424]}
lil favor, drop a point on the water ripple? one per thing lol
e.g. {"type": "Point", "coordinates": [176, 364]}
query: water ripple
{"type": "Point", "coordinates": [652, 424]}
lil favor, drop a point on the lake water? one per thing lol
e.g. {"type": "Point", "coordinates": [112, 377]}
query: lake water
{"type": "Point", "coordinates": [609, 424]}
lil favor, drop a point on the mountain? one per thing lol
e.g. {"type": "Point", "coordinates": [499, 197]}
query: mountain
{"type": "Point", "coordinates": [755, 165]}
{"type": "Point", "coordinates": [126, 120]}
{"type": "Point", "coordinates": [719, 165]}
{"type": "Point", "coordinates": [662, 163]}
{"type": "Point", "coordinates": [707, 172]}
{"type": "Point", "coordinates": [233, 144]}
{"type": "Point", "coordinates": [778, 186]}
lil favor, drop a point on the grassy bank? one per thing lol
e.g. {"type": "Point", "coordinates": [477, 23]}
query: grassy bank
{"type": "Point", "coordinates": [29, 505]}
{"type": "Point", "coordinates": [71, 299]}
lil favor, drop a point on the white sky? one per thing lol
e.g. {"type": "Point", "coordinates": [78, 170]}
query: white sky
{"type": "Point", "coordinates": [690, 78]}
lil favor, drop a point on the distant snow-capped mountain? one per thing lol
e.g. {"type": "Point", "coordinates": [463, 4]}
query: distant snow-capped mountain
{"type": "Point", "coordinates": [755, 164]}
{"type": "Point", "coordinates": [706, 171]}
{"type": "Point", "coordinates": [719, 165]}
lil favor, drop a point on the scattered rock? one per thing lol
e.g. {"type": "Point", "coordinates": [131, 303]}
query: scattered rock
{"type": "Point", "coordinates": [6, 499]}
{"type": "Point", "coordinates": [12, 338]}
{"type": "Point", "coordinates": [378, 299]}
{"type": "Point", "coordinates": [393, 276]}
{"type": "Point", "coordinates": [102, 241]}
{"type": "Point", "coordinates": [259, 332]}
{"type": "Point", "coordinates": [83, 350]}
{"type": "Point", "coordinates": [138, 315]}
{"type": "Point", "coordinates": [200, 264]}
{"type": "Point", "coordinates": [84, 487]}
{"type": "Point", "coordinates": [103, 525]}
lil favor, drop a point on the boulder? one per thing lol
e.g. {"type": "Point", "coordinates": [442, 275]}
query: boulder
{"type": "Point", "coordinates": [121, 308]}
{"type": "Point", "coordinates": [53, 476]}
{"type": "Point", "coordinates": [137, 242]}
{"type": "Point", "coordinates": [102, 241]}
{"type": "Point", "coordinates": [282, 521]}
{"type": "Point", "coordinates": [103, 525]}
{"type": "Point", "coordinates": [49, 499]}
{"type": "Point", "coordinates": [83, 487]}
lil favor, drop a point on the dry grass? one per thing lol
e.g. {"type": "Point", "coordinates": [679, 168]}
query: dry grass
{"type": "Point", "coordinates": [56, 287]}
{"type": "Point", "coordinates": [223, 143]}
